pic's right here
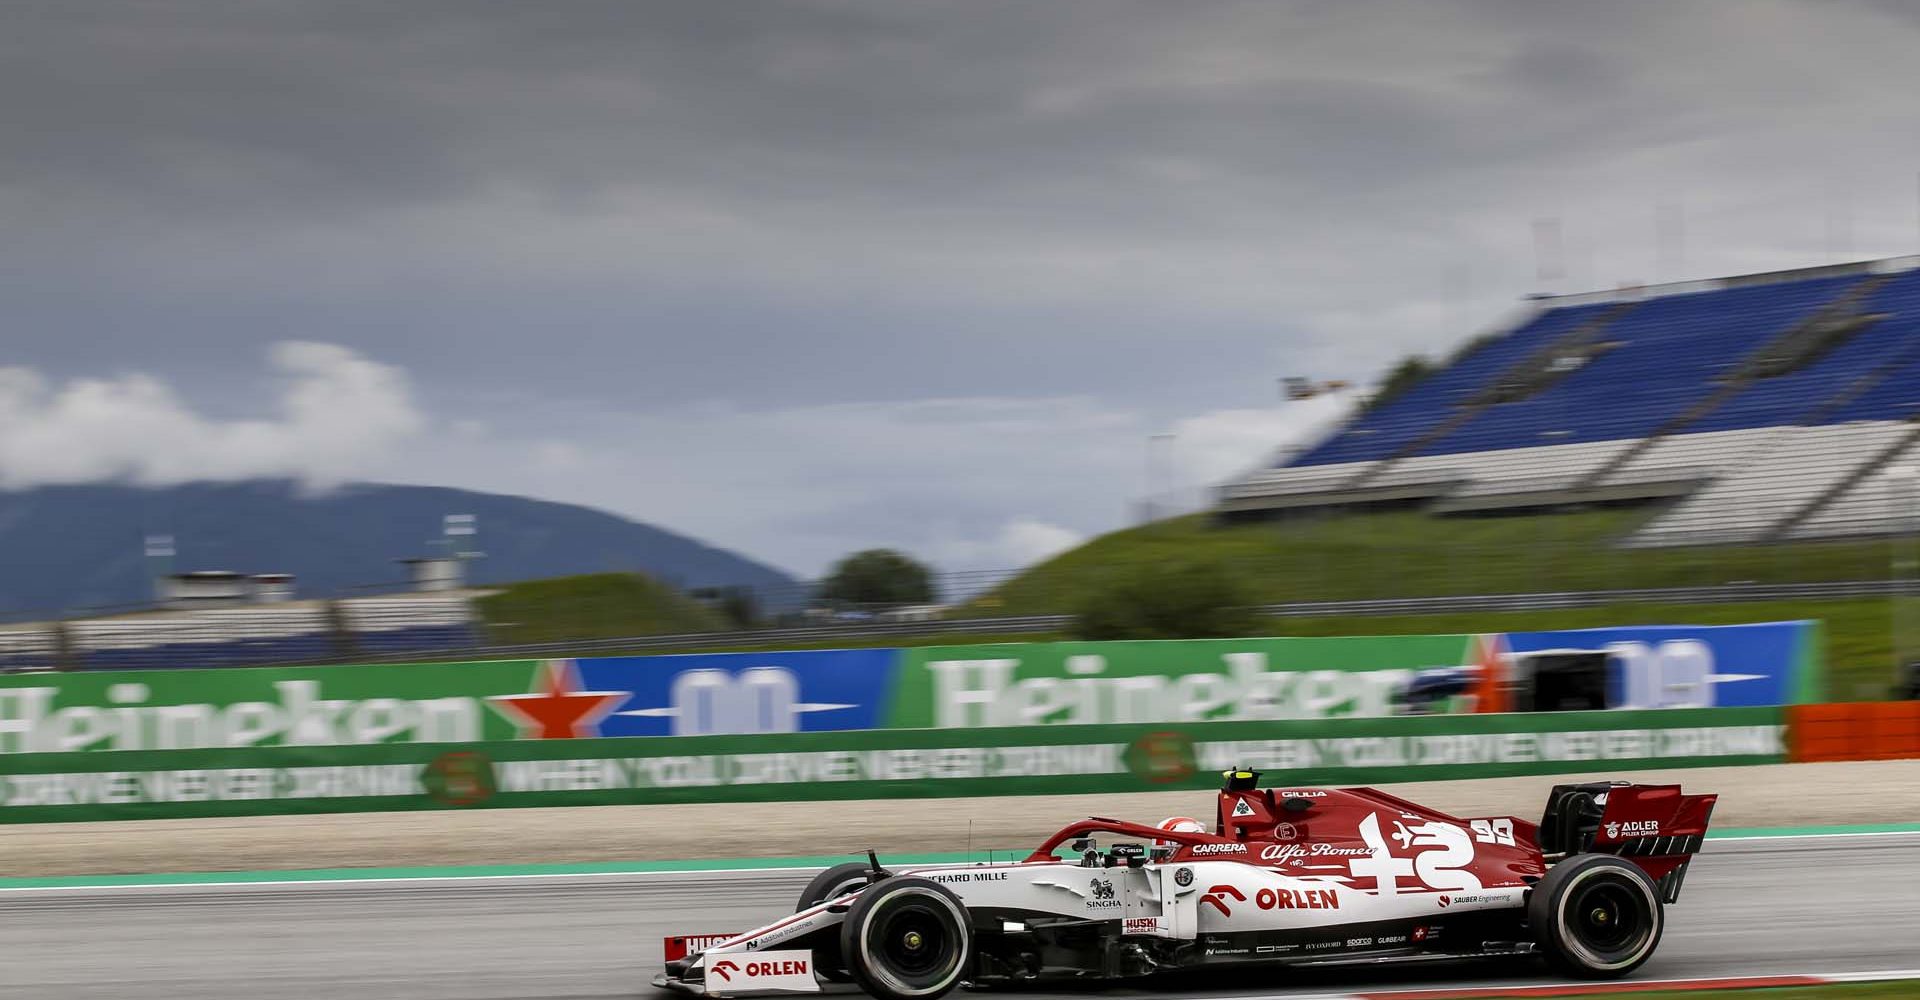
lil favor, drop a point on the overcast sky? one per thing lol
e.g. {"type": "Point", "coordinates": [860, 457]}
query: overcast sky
{"type": "Point", "coordinates": [798, 278]}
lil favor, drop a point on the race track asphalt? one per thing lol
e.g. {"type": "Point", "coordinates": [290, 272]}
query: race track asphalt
{"type": "Point", "coordinates": [1780, 906]}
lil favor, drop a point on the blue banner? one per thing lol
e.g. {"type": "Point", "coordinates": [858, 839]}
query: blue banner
{"type": "Point", "coordinates": [1694, 666]}
{"type": "Point", "coordinates": [706, 694]}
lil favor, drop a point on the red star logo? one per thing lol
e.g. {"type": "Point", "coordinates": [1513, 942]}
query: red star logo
{"type": "Point", "coordinates": [556, 708]}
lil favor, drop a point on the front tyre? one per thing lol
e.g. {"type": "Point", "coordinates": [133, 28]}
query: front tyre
{"type": "Point", "coordinates": [907, 939]}
{"type": "Point", "coordinates": [828, 885]}
{"type": "Point", "coordinates": [833, 883]}
{"type": "Point", "coordinates": [1596, 916]}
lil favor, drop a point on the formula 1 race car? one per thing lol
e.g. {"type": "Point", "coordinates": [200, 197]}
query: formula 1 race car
{"type": "Point", "coordinates": [1310, 876]}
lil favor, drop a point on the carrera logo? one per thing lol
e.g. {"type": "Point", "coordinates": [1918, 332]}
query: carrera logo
{"type": "Point", "coordinates": [1636, 828]}
{"type": "Point", "coordinates": [1219, 849]}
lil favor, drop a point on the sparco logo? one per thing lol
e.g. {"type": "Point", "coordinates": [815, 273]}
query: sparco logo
{"type": "Point", "coordinates": [1220, 849]}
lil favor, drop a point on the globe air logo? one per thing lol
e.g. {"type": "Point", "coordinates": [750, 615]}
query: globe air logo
{"type": "Point", "coordinates": [987, 692]}
{"type": "Point", "coordinates": [298, 715]}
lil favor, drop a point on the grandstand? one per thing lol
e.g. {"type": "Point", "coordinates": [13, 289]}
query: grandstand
{"type": "Point", "coordinates": [1758, 408]}
{"type": "Point", "coordinates": [371, 627]}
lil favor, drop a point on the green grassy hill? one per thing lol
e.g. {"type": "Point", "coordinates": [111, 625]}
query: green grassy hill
{"type": "Point", "coordinates": [593, 606]}
{"type": "Point", "coordinates": [1353, 556]}
{"type": "Point", "coordinates": [1409, 554]}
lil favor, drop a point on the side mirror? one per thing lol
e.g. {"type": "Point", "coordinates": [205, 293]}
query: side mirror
{"type": "Point", "coordinates": [1082, 845]}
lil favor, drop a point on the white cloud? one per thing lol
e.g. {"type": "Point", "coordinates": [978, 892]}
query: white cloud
{"type": "Point", "coordinates": [968, 483]}
{"type": "Point", "coordinates": [1216, 446]}
{"type": "Point", "coordinates": [1016, 544]}
{"type": "Point", "coordinates": [338, 413]}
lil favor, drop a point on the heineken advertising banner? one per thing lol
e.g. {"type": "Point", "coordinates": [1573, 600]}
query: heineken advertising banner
{"type": "Point", "coordinates": [994, 686]}
{"type": "Point", "coordinates": [1181, 680]}
{"type": "Point", "coordinates": [375, 776]}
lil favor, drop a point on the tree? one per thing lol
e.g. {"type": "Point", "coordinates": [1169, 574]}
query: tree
{"type": "Point", "coordinates": [1401, 377]}
{"type": "Point", "coordinates": [737, 604]}
{"type": "Point", "coordinates": [878, 576]}
{"type": "Point", "coordinates": [1192, 600]}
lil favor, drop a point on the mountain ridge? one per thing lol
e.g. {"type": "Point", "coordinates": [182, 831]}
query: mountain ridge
{"type": "Point", "coordinates": [69, 547]}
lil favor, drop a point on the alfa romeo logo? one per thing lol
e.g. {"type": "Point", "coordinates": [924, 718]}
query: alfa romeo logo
{"type": "Point", "coordinates": [1183, 877]}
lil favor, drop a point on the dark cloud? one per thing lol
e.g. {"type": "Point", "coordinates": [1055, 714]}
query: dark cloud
{"type": "Point", "coordinates": [563, 215]}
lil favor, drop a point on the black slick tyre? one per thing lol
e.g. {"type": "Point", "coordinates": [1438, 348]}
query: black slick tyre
{"type": "Point", "coordinates": [832, 884]}
{"type": "Point", "coordinates": [907, 939]}
{"type": "Point", "coordinates": [1596, 916]}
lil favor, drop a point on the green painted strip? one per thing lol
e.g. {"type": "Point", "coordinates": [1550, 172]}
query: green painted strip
{"type": "Point", "coordinates": [707, 865]}
{"type": "Point", "coordinates": [486, 871]}
{"type": "Point", "coordinates": [1812, 831]}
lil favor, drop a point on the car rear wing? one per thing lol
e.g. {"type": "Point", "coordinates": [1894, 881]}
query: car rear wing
{"type": "Point", "coordinates": [1657, 827]}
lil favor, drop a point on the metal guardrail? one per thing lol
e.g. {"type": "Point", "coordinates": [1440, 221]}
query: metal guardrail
{"type": "Point", "coordinates": [1030, 624]}
{"type": "Point", "coordinates": [1036, 624]}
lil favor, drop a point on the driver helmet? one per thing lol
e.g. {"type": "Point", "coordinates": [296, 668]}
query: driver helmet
{"type": "Point", "coordinates": [1184, 824]}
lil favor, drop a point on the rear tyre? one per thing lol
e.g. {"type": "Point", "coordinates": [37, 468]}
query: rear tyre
{"type": "Point", "coordinates": [1596, 916]}
{"type": "Point", "coordinates": [832, 884]}
{"type": "Point", "coordinates": [907, 939]}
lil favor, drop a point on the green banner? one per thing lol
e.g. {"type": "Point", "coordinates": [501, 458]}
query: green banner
{"type": "Point", "coordinates": [1194, 680]}
{"type": "Point", "coordinates": [263, 707]}
{"type": "Point", "coordinates": [373, 776]}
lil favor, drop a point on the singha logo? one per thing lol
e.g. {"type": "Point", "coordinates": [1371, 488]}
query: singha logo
{"type": "Point", "coordinates": [1102, 889]}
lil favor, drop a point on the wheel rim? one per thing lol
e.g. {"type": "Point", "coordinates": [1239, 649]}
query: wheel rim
{"type": "Point", "coordinates": [913, 940]}
{"type": "Point", "coordinates": [1608, 920]}
{"type": "Point", "coordinates": [1606, 916]}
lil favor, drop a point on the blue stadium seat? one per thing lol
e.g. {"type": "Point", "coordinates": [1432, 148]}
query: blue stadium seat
{"type": "Point", "coordinates": [1669, 354]}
